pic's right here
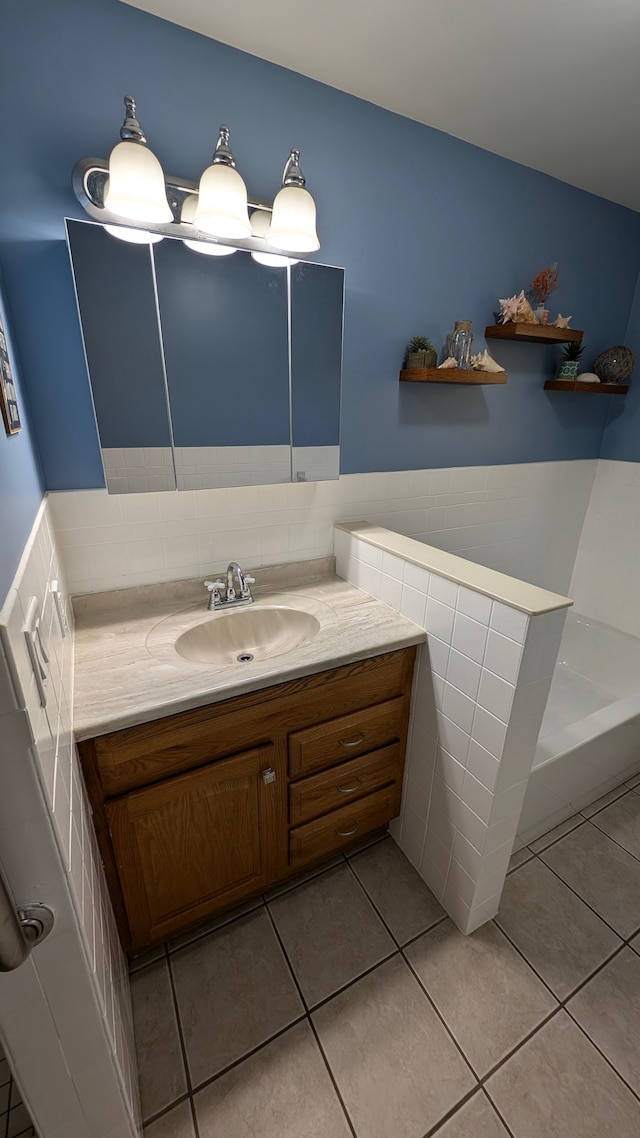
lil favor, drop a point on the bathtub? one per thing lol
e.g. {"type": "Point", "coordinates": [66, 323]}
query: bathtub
{"type": "Point", "coordinates": [589, 740]}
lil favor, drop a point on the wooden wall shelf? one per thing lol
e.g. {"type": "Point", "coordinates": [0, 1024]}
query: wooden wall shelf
{"type": "Point", "coordinates": [592, 388]}
{"type": "Point", "coordinates": [451, 375]}
{"type": "Point", "coordinates": [533, 333]}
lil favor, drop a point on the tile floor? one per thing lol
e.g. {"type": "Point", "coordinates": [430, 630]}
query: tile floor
{"type": "Point", "coordinates": [348, 1004]}
{"type": "Point", "coordinates": [14, 1117]}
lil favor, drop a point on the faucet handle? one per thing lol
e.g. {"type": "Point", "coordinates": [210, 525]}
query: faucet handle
{"type": "Point", "coordinates": [211, 585]}
{"type": "Point", "coordinates": [250, 580]}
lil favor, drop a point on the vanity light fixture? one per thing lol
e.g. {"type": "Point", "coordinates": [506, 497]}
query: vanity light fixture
{"type": "Point", "coordinates": [260, 222]}
{"type": "Point", "coordinates": [133, 236]}
{"type": "Point", "coordinates": [136, 189]}
{"type": "Point", "coordinates": [293, 221]}
{"type": "Point", "coordinates": [130, 192]}
{"type": "Point", "coordinates": [209, 248]}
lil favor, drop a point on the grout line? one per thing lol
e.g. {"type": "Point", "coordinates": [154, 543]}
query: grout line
{"type": "Point", "coordinates": [166, 1109]}
{"type": "Point", "coordinates": [332, 1077]}
{"type": "Point", "coordinates": [259, 901]}
{"type": "Point", "coordinates": [248, 1054]}
{"type": "Point", "coordinates": [580, 898]}
{"type": "Point", "coordinates": [593, 1043]}
{"type": "Point", "coordinates": [356, 979]}
{"type": "Point", "coordinates": [498, 1112]}
{"type": "Point", "coordinates": [435, 1129]}
{"type": "Point", "coordinates": [183, 1048]}
{"type": "Point", "coordinates": [439, 1015]}
{"type": "Point", "coordinates": [578, 826]}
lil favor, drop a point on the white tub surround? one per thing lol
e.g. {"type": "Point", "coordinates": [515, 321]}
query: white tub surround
{"type": "Point", "coordinates": [64, 1015]}
{"type": "Point", "coordinates": [605, 576]}
{"type": "Point", "coordinates": [589, 736]}
{"type": "Point", "coordinates": [523, 519]}
{"type": "Point", "coordinates": [480, 691]}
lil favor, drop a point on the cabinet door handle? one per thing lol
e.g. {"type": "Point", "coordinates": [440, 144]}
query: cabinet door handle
{"type": "Point", "coordinates": [347, 833]}
{"type": "Point", "coordinates": [350, 789]}
{"type": "Point", "coordinates": [354, 743]}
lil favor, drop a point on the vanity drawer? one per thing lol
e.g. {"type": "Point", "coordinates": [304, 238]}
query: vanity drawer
{"type": "Point", "coordinates": [337, 740]}
{"type": "Point", "coordinates": [334, 788]}
{"type": "Point", "coordinates": [340, 828]}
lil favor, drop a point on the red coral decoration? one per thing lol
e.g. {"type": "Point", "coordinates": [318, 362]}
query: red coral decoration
{"type": "Point", "coordinates": [545, 283]}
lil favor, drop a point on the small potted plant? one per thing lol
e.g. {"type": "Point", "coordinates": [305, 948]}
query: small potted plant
{"type": "Point", "coordinates": [420, 353]}
{"type": "Point", "coordinates": [541, 288]}
{"type": "Point", "coordinates": [570, 362]}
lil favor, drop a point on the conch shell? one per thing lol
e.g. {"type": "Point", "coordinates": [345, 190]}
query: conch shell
{"type": "Point", "coordinates": [484, 362]}
{"type": "Point", "coordinates": [449, 362]}
{"type": "Point", "coordinates": [516, 309]}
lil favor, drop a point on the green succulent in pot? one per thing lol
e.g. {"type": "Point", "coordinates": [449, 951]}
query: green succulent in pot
{"type": "Point", "coordinates": [420, 353]}
{"type": "Point", "coordinates": [570, 361]}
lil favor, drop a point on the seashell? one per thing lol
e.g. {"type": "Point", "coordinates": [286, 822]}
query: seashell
{"type": "Point", "coordinates": [524, 311]}
{"type": "Point", "coordinates": [561, 321]}
{"type": "Point", "coordinates": [449, 362]}
{"type": "Point", "coordinates": [484, 362]}
{"type": "Point", "coordinates": [587, 377]}
{"type": "Point", "coordinates": [517, 310]}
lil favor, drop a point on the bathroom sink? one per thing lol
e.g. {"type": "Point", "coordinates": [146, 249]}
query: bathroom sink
{"type": "Point", "coordinates": [246, 634]}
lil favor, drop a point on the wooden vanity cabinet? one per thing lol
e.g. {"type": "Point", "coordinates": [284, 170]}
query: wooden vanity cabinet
{"type": "Point", "coordinates": [198, 811]}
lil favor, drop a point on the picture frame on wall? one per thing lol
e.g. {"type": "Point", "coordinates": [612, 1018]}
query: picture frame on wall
{"type": "Point", "coordinates": [8, 394]}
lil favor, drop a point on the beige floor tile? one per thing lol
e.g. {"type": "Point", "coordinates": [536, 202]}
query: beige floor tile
{"type": "Point", "coordinates": [605, 800]}
{"type": "Point", "coordinates": [555, 931]}
{"type": "Point", "coordinates": [215, 923]}
{"type": "Point", "coordinates": [557, 832]}
{"type": "Point", "coordinates": [603, 874]}
{"type": "Point", "coordinates": [608, 1008]}
{"type": "Point", "coordinates": [283, 1091]}
{"type": "Point", "coordinates": [176, 1123]}
{"type": "Point", "coordinates": [300, 878]}
{"type": "Point", "coordinates": [160, 1065]}
{"type": "Point", "coordinates": [621, 821]}
{"type": "Point", "coordinates": [635, 943]}
{"type": "Point", "coordinates": [331, 932]}
{"type": "Point", "coordinates": [476, 1119]}
{"type": "Point", "coordinates": [634, 781]}
{"type": "Point", "coordinates": [400, 895]}
{"type": "Point", "coordinates": [519, 858]}
{"type": "Point", "coordinates": [234, 992]}
{"type": "Point", "coordinates": [487, 995]}
{"type": "Point", "coordinates": [558, 1086]}
{"type": "Point", "coordinates": [395, 1066]}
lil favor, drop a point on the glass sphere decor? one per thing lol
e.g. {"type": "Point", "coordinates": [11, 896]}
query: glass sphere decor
{"type": "Point", "coordinates": [614, 365]}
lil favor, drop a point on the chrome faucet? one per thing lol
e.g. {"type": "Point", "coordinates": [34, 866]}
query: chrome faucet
{"type": "Point", "coordinates": [222, 593]}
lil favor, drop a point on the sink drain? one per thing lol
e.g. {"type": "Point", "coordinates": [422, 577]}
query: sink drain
{"type": "Point", "coordinates": [244, 658]}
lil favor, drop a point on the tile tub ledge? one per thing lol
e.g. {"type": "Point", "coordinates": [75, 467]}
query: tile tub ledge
{"type": "Point", "coordinates": [529, 599]}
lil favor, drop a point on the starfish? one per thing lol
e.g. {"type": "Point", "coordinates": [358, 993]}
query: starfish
{"type": "Point", "coordinates": [561, 321]}
{"type": "Point", "coordinates": [509, 307]}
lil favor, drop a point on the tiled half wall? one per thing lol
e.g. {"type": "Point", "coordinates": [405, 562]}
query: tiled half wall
{"type": "Point", "coordinates": [523, 519]}
{"type": "Point", "coordinates": [481, 685]}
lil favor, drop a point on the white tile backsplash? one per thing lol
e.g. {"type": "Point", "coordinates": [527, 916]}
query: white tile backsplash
{"type": "Point", "coordinates": [216, 523]}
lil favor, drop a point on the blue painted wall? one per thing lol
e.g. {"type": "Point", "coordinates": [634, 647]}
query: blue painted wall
{"type": "Point", "coordinates": [439, 241]}
{"type": "Point", "coordinates": [621, 438]}
{"type": "Point", "coordinates": [20, 481]}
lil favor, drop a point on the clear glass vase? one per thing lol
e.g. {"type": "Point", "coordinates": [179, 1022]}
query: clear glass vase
{"type": "Point", "coordinates": [459, 344]}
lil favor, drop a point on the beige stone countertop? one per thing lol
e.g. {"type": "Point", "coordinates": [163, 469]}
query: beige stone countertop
{"type": "Point", "coordinates": [128, 672]}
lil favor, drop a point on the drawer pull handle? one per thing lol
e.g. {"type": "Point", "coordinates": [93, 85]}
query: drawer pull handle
{"type": "Point", "coordinates": [347, 833]}
{"type": "Point", "coordinates": [354, 743]}
{"type": "Point", "coordinates": [350, 789]}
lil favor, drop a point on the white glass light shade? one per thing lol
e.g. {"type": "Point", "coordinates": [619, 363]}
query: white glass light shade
{"type": "Point", "coordinates": [222, 203]}
{"type": "Point", "coordinates": [187, 214]}
{"type": "Point", "coordinates": [293, 221]}
{"type": "Point", "coordinates": [260, 222]}
{"type": "Point", "coordinates": [134, 236]}
{"type": "Point", "coordinates": [136, 189]}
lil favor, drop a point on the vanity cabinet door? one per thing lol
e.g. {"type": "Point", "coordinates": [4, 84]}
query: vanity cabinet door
{"type": "Point", "coordinates": [192, 845]}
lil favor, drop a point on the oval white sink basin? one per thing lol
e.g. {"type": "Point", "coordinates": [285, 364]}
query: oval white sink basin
{"type": "Point", "coordinates": [247, 634]}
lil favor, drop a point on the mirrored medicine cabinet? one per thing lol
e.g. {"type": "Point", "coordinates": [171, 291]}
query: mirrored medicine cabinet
{"type": "Point", "coordinates": [208, 371]}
